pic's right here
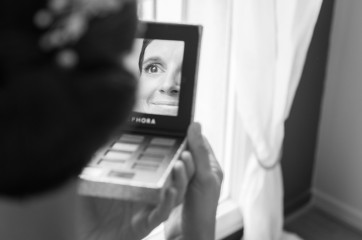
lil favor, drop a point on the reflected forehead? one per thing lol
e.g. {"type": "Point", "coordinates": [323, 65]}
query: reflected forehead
{"type": "Point", "coordinates": [164, 48]}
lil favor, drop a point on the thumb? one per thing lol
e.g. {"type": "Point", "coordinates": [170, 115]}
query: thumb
{"type": "Point", "coordinates": [198, 149]}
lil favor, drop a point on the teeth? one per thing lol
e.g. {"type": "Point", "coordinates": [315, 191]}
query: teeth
{"type": "Point", "coordinates": [166, 104]}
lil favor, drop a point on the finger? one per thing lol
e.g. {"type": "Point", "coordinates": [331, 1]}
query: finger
{"type": "Point", "coordinates": [215, 165]}
{"type": "Point", "coordinates": [163, 209]}
{"type": "Point", "coordinates": [217, 170]}
{"type": "Point", "coordinates": [173, 225]}
{"type": "Point", "coordinates": [180, 180]}
{"type": "Point", "coordinates": [209, 149]}
{"type": "Point", "coordinates": [198, 149]}
{"type": "Point", "coordinates": [188, 161]}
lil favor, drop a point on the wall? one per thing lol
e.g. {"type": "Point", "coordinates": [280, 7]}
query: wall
{"type": "Point", "coordinates": [338, 170]}
{"type": "Point", "coordinates": [302, 125]}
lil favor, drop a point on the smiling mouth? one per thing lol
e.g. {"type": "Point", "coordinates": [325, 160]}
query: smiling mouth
{"type": "Point", "coordinates": [169, 108]}
{"type": "Point", "coordinates": [168, 104]}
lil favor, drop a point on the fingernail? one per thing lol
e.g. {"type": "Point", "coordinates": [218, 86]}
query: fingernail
{"type": "Point", "coordinates": [197, 127]}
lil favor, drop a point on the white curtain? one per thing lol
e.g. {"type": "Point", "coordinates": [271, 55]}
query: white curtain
{"type": "Point", "coordinates": [270, 39]}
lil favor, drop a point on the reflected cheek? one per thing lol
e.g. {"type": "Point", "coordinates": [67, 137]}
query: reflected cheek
{"type": "Point", "coordinates": [146, 88]}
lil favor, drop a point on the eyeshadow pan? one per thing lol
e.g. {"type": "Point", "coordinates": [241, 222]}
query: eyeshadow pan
{"type": "Point", "coordinates": [114, 155]}
{"type": "Point", "coordinates": [155, 150]}
{"type": "Point", "coordinates": [112, 164]}
{"type": "Point", "coordinates": [128, 147]}
{"type": "Point", "coordinates": [92, 171]}
{"type": "Point", "coordinates": [151, 158]}
{"type": "Point", "coordinates": [168, 142]}
{"type": "Point", "coordinates": [145, 166]}
{"type": "Point", "coordinates": [131, 138]}
{"type": "Point", "coordinates": [120, 174]}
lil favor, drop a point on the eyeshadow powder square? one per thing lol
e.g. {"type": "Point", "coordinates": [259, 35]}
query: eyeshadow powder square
{"type": "Point", "coordinates": [145, 166]}
{"type": "Point", "coordinates": [128, 147]}
{"type": "Point", "coordinates": [155, 150]}
{"type": "Point", "coordinates": [111, 164]}
{"type": "Point", "coordinates": [92, 172]}
{"type": "Point", "coordinates": [114, 155]}
{"type": "Point", "coordinates": [131, 138]}
{"type": "Point", "coordinates": [168, 142]}
{"type": "Point", "coordinates": [151, 158]}
{"type": "Point", "coordinates": [120, 174]}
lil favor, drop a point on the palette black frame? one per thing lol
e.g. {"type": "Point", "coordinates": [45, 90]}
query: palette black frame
{"type": "Point", "coordinates": [174, 127]}
{"type": "Point", "coordinates": [177, 125]}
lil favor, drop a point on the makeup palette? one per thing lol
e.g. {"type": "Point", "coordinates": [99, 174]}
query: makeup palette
{"type": "Point", "coordinates": [136, 165]}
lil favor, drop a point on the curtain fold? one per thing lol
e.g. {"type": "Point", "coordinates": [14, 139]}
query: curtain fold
{"type": "Point", "coordinates": [270, 39]}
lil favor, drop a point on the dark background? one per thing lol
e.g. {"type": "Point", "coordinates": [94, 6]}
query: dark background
{"type": "Point", "coordinates": [301, 128]}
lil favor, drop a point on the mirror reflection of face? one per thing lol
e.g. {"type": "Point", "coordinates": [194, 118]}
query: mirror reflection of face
{"type": "Point", "coordinates": [160, 78]}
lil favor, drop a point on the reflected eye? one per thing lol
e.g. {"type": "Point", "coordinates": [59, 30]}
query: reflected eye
{"type": "Point", "coordinates": [152, 68]}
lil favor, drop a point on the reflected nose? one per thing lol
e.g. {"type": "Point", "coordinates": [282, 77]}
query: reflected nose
{"type": "Point", "coordinates": [171, 84]}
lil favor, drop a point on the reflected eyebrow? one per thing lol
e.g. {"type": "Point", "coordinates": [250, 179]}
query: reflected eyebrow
{"type": "Point", "coordinates": [153, 60]}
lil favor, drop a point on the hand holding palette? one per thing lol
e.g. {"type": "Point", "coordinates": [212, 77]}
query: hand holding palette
{"type": "Point", "coordinates": [137, 164]}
